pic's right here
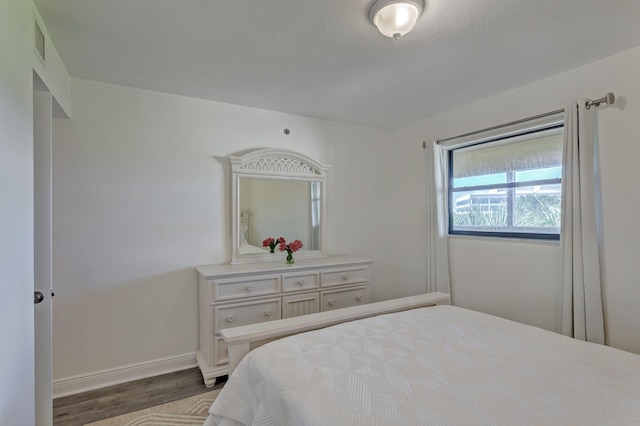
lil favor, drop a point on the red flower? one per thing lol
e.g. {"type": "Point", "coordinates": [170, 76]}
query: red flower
{"type": "Point", "coordinates": [295, 245]}
{"type": "Point", "coordinates": [283, 244]}
{"type": "Point", "coordinates": [271, 243]}
{"type": "Point", "coordinates": [292, 247]}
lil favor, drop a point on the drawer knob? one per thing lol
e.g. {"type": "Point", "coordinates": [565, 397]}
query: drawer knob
{"type": "Point", "coordinates": [249, 288]}
{"type": "Point", "coordinates": [230, 318]}
{"type": "Point", "coordinates": [301, 282]}
{"type": "Point", "coordinates": [331, 302]}
{"type": "Point", "coordinates": [345, 277]}
{"type": "Point", "coordinates": [359, 298]}
{"type": "Point", "coordinates": [267, 312]}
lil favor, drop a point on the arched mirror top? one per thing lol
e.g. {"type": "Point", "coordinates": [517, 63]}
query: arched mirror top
{"type": "Point", "coordinates": [277, 193]}
{"type": "Point", "coordinates": [279, 163]}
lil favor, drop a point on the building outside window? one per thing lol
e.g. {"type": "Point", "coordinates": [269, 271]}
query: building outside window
{"type": "Point", "coordinates": [508, 185]}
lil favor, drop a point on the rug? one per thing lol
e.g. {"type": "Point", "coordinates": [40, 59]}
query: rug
{"type": "Point", "coordinates": [189, 411]}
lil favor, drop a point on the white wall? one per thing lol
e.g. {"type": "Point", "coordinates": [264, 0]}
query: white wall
{"type": "Point", "coordinates": [520, 280]}
{"type": "Point", "coordinates": [141, 196]}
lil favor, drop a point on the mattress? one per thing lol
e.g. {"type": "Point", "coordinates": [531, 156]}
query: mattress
{"type": "Point", "coordinates": [432, 366]}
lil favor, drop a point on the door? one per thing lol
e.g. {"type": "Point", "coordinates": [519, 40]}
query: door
{"type": "Point", "coordinates": [16, 222]}
{"type": "Point", "coordinates": [42, 168]}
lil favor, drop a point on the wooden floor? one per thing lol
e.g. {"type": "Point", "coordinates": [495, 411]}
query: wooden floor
{"type": "Point", "coordinates": [125, 398]}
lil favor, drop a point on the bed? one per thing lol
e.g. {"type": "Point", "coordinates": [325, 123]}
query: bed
{"type": "Point", "coordinates": [245, 247]}
{"type": "Point", "coordinates": [251, 249]}
{"type": "Point", "coordinates": [441, 365]}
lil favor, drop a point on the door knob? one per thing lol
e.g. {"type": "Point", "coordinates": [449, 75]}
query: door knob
{"type": "Point", "coordinates": [37, 297]}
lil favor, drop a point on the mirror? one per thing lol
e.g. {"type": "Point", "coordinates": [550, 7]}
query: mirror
{"type": "Point", "coordinates": [279, 208]}
{"type": "Point", "coordinates": [277, 194]}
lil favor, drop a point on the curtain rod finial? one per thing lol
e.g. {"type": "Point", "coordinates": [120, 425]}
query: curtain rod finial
{"type": "Point", "coordinates": [609, 98]}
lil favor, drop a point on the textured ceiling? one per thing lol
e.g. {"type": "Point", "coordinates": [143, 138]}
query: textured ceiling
{"type": "Point", "coordinates": [324, 59]}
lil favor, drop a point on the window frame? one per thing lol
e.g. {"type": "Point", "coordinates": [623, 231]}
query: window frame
{"type": "Point", "coordinates": [479, 140]}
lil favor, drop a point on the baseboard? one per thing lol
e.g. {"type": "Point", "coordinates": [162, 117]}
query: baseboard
{"type": "Point", "coordinates": [99, 379]}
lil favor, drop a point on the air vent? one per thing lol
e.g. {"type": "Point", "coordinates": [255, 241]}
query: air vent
{"type": "Point", "coordinates": [39, 41]}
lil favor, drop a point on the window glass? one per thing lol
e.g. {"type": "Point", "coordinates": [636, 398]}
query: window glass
{"type": "Point", "coordinates": [545, 173]}
{"type": "Point", "coordinates": [479, 180]}
{"type": "Point", "coordinates": [509, 186]}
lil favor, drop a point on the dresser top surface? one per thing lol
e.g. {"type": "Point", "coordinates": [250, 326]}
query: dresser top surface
{"type": "Point", "coordinates": [280, 267]}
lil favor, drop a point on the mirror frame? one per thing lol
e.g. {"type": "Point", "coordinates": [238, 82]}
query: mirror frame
{"type": "Point", "coordinates": [274, 164]}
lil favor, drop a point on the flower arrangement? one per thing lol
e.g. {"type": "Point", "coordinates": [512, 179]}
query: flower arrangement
{"type": "Point", "coordinates": [290, 248]}
{"type": "Point", "coordinates": [272, 243]}
{"type": "Point", "coordinates": [282, 245]}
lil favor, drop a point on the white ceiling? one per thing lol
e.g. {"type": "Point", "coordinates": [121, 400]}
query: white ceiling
{"type": "Point", "coordinates": [324, 59]}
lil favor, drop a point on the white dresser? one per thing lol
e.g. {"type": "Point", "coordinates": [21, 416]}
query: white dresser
{"type": "Point", "coordinates": [240, 294]}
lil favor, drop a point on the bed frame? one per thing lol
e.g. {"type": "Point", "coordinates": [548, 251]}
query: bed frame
{"type": "Point", "coordinates": [240, 339]}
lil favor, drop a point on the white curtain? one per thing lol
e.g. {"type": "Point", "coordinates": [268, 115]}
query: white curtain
{"type": "Point", "coordinates": [437, 247]}
{"type": "Point", "coordinates": [582, 315]}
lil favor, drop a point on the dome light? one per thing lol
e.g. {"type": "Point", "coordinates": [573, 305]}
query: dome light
{"type": "Point", "coordinates": [395, 18]}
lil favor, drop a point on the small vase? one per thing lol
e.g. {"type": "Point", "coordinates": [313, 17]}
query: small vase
{"type": "Point", "coordinates": [290, 260]}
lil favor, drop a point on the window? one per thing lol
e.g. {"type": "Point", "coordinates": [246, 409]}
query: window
{"type": "Point", "coordinates": [508, 185]}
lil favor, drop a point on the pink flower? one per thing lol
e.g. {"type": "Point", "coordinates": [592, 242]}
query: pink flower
{"type": "Point", "coordinates": [271, 243]}
{"type": "Point", "coordinates": [292, 247]}
{"type": "Point", "coordinates": [283, 244]}
{"type": "Point", "coordinates": [295, 246]}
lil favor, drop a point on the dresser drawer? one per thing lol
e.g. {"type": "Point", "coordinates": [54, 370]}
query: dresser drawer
{"type": "Point", "coordinates": [300, 304]}
{"type": "Point", "coordinates": [227, 316]}
{"type": "Point", "coordinates": [236, 288]}
{"type": "Point", "coordinates": [337, 299]}
{"type": "Point", "coordinates": [299, 282]}
{"type": "Point", "coordinates": [344, 276]}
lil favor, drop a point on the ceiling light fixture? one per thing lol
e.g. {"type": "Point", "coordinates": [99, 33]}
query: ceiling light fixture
{"type": "Point", "coordinates": [395, 18]}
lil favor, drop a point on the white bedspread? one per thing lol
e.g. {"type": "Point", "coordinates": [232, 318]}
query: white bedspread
{"type": "Point", "coordinates": [432, 366]}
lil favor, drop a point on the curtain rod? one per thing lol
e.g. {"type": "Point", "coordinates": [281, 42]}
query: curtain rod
{"type": "Point", "coordinates": [608, 99]}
